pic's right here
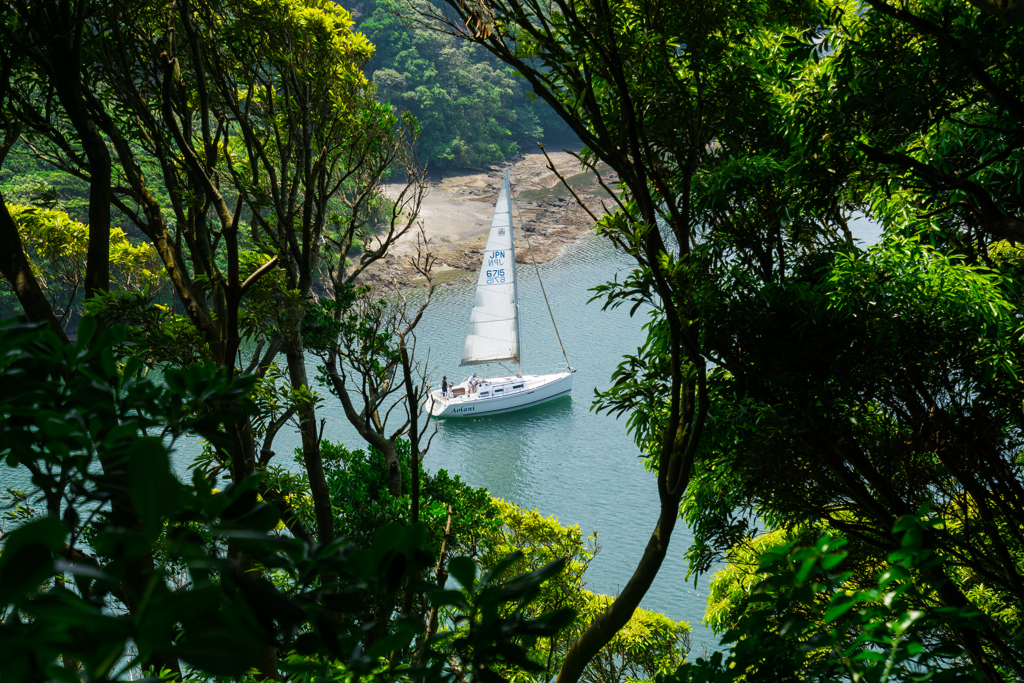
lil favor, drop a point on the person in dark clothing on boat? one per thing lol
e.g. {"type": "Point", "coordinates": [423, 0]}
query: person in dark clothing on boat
{"type": "Point", "coordinates": [444, 386]}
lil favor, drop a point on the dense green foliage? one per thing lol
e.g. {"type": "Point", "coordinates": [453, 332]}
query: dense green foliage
{"type": "Point", "coordinates": [853, 387]}
{"type": "Point", "coordinates": [359, 492]}
{"type": "Point", "coordinates": [56, 246]}
{"type": "Point", "coordinates": [462, 521]}
{"type": "Point", "coordinates": [650, 644]}
{"type": "Point", "coordinates": [789, 379]}
{"type": "Point", "coordinates": [252, 168]}
{"type": "Point", "coordinates": [472, 109]}
{"type": "Point", "coordinates": [99, 571]}
{"type": "Point", "coordinates": [805, 621]}
{"type": "Point", "coordinates": [28, 181]}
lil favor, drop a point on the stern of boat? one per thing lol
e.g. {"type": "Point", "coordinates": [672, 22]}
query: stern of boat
{"type": "Point", "coordinates": [436, 403]}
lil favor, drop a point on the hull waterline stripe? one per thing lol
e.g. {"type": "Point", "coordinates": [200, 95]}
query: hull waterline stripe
{"type": "Point", "coordinates": [505, 410]}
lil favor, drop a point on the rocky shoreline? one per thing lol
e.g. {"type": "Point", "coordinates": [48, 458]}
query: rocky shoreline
{"type": "Point", "coordinates": [456, 216]}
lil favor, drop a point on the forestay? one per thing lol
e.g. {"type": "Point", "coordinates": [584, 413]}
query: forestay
{"type": "Point", "coordinates": [493, 329]}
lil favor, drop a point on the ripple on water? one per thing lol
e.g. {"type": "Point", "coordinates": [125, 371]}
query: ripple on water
{"type": "Point", "coordinates": [560, 458]}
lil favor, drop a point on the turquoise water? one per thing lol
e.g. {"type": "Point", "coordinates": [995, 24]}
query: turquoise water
{"type": "Point", "coordinates": [560, 458]}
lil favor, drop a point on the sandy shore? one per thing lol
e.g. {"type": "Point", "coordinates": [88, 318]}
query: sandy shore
{"type": "Point", "coordinates": [456, 215]}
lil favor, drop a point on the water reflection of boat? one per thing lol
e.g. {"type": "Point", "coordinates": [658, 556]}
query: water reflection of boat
{"type": "Point", "coordinates": [493, 335]}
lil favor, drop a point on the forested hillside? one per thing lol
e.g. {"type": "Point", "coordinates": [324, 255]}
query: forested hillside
{"type": "Point", "coordinates": [27, 180]}
{"type": "Point", "coordinates": [473, 110]}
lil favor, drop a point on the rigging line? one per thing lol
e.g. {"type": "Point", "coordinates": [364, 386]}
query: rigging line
{"type": "Point", "coordinates": [537, 268]}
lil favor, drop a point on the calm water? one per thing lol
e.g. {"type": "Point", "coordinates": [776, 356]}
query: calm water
{"type": "Point", "coordinates": [560, 458]}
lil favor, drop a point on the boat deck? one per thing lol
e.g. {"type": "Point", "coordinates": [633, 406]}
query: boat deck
{"type": "Point", "coordinates": [499, 394]}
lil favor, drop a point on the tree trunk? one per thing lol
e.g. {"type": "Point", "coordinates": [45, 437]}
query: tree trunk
{"type": "Point", "coordinates": [17, 270]}
{"type": "Point", "coordinates": [61, 57]}
{"type": "Point", "coordinates": [605, 626]}
{"type": "Point", "coordinates": [394, 468]}
{"type": "Point", "coordinates": [412, 396]}
{"type": "Point", "coordinates": [267, 664]}
{"type": "Point", "coordinates": [318, 487]}
{"type": "Point", "coordinates": [243, 449]}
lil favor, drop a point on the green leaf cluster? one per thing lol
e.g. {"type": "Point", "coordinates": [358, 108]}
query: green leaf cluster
{"type": "Point", "coordinates": [648, 645]}
{"type": "Point", "coordinates": [471, 109]}
{"type": "Point", "coordinates": [124, 552]}
{"type": "Point", "coordinates": [56, 247]}
{"type": "Point", "coordinates": [803, 619]}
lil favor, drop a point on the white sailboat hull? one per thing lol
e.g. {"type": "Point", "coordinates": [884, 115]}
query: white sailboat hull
{"type": "Point", "coordinates": [494, 334]}
{"type": "Point", "coordinates": [500, 395]}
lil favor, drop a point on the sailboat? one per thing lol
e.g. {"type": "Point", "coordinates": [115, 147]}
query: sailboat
{"type": "Point", "coordinates": [494, 335]}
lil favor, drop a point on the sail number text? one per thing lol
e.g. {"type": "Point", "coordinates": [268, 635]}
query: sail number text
{"type": "Point", "coordinates": [495, 271]}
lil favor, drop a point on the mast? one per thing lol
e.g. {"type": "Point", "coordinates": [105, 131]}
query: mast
{"type": "Point", "coordinates": [515, 280]}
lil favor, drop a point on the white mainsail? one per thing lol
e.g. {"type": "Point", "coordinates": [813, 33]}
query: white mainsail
{"type": "Point", "coordinates": [494, 335]}
{"type": "Point", "coordinates": [493, 326]}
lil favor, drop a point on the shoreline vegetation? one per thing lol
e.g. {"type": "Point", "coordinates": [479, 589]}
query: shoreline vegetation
{"type": "Point", "coordinates": [841, 427]}
{"type": "Point", "coordinates": [457, 209]}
